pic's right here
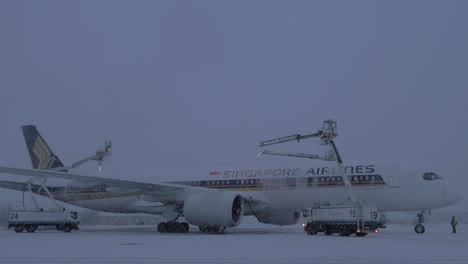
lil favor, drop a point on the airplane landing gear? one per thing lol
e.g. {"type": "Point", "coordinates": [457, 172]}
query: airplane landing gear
{"type": "Point", "coordinates": [173, 227]}
{"type": "Point", "coordinates": [419, 229]}
{"type": "Point", "coordinates": [208, 229]}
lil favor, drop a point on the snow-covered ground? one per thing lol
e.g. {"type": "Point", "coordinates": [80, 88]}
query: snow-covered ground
{"type": "Point", "coordinates": [249, 243]}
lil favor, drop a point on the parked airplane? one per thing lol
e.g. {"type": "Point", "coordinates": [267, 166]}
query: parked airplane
{"type": "Point", "coordinates": [216, 199]}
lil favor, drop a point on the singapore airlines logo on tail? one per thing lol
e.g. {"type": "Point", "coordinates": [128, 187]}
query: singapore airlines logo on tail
{"type": "Point", "coordinates": [43, 153]}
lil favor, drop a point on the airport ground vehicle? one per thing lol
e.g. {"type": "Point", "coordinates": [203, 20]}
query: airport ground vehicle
{"type": "Point", "coordinates": [343, 220]}
{"type": "Point", "coordinates": [31, 220]}
{"type": "Point", "coordinates": [23, 216]}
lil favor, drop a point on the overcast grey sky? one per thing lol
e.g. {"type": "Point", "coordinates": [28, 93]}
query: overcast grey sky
{"type": "Point", "coordinates": [200, 83]}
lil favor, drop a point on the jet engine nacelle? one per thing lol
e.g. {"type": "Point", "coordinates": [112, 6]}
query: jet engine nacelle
{"type": "Point", "coordinates": [224, 209]}
{"type": "Point", "coordinates": [278, 217]}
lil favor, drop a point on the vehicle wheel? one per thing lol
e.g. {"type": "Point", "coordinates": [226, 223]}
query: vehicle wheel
{"type": "Point", "coordinates": [177, 227]}
{"type": "Point", "coordinates": [344, 233]}
{"type": "Point", "coordinates": [419, 229]}
{"type": "Point", "coordinates": [31, 228]}
{"type": "Point", "coordinates": [328, 231]}
{"type": "Point", "coordinates": [170, 227]}
{"type": "Point", "coordinates": [311, 232]}
{"type": "Point", "coordinates": [19, 229]}
{"type": "Point", "coordinates": [211, 229]}
{"type": "Point", "coordinates": [162, 227]}
{"type": "Point", "coordinates": [185, 227]}
{"type": "Point", "coordinates": [310, 229]}
{"type": "Point", "coordinates": [67, 228]}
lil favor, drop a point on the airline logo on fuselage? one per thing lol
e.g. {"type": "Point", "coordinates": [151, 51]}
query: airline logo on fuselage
{"type": "Point", "coordinates": [319, 171]}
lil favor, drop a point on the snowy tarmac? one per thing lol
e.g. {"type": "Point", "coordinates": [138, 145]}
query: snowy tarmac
{"type": "Point", "coordinates": [245, 244]}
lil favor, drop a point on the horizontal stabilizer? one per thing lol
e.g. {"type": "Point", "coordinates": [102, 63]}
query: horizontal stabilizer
{"type": "Point", "coordinates": [19, 186]}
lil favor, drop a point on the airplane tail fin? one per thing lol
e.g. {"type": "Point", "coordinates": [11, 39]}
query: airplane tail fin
{"type": "Point", "coordinates": [40, 154]}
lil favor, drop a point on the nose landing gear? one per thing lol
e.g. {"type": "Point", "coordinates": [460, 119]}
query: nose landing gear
{"type": "Point", "coordinates": [419, 228]}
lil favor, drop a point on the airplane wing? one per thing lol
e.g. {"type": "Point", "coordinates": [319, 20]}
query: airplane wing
{"type": "Point", "coordinates": [165, 192]}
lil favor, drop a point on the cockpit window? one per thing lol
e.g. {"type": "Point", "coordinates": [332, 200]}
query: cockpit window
{"type": "Point", "coordinates": [430, 176]}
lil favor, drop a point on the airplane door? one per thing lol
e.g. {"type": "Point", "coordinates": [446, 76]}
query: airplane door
{"type": "Point", "coordinates": [392, 177]}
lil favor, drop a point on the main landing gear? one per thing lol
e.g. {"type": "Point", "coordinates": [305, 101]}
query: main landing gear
{"type": "Point", "coordinates": [173, 227]}
{"type": "Point", "coordinates": [209, 229]}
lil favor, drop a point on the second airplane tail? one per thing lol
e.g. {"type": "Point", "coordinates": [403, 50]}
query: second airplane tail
{"type": "Point", "coordinates": [41, 155]}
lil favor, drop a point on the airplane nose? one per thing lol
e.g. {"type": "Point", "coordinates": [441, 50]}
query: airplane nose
{"type": "Point", "coordinates": [453, 196]}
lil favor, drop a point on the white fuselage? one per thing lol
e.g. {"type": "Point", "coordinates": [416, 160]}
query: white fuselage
{"type": "Point", "coordinates": [293, 189]}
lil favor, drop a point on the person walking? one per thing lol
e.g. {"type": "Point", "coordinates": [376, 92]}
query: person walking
{"type": "Point", "coordinates": [454, 224]}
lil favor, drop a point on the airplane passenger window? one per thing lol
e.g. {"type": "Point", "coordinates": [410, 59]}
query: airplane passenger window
{"type": "Point", "coordinates": [430, 176]}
